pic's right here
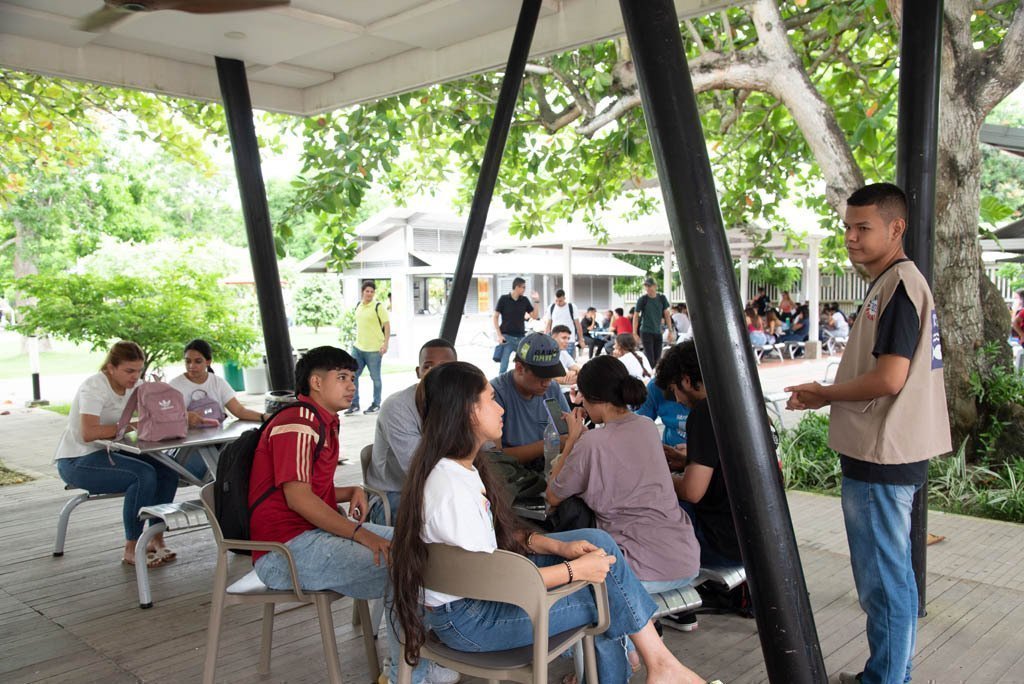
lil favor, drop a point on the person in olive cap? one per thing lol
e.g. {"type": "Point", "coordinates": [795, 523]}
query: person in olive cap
{"type": "Point", "coordinates": [522, 391]}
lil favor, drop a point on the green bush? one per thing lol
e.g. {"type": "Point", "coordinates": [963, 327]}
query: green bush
{"type": "Point", "coordinates": [807, 460]}
{"type": "Point", "coordinates": [987, 491]}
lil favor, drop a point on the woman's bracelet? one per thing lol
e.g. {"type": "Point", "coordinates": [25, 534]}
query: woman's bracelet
{"type": "Point", "coordinates": [356, 531]}
{"type": "Point", "coordinates": [529, 540]}
{"type": "Point", "coordinates": [569, 568]}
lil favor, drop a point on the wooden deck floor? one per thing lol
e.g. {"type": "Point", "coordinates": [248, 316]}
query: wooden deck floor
{"type": "Point", "coordinates": [76, 618]}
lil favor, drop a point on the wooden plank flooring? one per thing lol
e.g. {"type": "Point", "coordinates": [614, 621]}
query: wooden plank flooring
{"type": "Point", "coordinates": [76, 618]}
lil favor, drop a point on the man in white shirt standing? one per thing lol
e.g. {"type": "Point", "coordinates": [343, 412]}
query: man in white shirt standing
{"type": "Point", "coordinates": [562, 312]}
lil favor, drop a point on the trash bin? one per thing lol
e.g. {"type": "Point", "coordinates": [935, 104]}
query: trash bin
{"type": "Point", "coordinates": [233, 375]}
{"type": "Point", "coordinates": [275, 399]}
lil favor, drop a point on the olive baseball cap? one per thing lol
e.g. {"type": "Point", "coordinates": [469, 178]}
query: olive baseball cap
{"type": "Point", "coordinates": [539, 353]}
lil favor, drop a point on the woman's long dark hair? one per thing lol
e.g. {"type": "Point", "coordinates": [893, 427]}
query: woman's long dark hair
{"type": "Point", "coordinates": [606, 379]}
{"type": "Point", "coordinates": [446, 398]}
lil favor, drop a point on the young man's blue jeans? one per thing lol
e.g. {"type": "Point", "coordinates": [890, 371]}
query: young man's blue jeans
{"type": "Point", "coordinates": [481, 626]}
{"type": "Point", "coordinates": [377, 508]}
{"type": "Point", "coordinates": [877, 520]}
{"type": "Point", "coordinates": [327, 561]}
{"type": "Point", "coordinates": [144, 481]}
{"type": "Point", "coordinates": [371, 361]}
{"type": "Point", "coordinates": [507, 349]}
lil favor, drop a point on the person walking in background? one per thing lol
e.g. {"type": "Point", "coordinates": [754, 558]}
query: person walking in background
{"type": "Point", "coordinates": [373, 330]}
{"type": "Point", "coordinates": [652, 309]}
{"type": "Point", "coordinates": [888, 418]}
{"type": "Point", "coordinates": [562, 312]}
{"type": "Point", "coordinates": [513, 309]}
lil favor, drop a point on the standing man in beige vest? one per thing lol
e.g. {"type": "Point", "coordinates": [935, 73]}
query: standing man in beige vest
{"type": "Point", "coordinates": [888, 417]}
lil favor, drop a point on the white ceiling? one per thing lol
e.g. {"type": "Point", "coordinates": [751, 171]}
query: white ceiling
{"type": "Point", "coordinates": [313, 56]}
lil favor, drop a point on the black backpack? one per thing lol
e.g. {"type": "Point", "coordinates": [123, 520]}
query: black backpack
{"type": "Point", "coordinates": [520, 481]}
{"type": "Point", "coordinates": [231, 488]}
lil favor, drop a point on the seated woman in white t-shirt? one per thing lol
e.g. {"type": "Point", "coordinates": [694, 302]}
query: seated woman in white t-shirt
{"type": "Point", "coordinates": [198, 381]}
{"type": "Point", "coordinates": [83, 463]}
{"type": "Point", "coordinates": [451, 497]}
{"type": "Point", "coordinates": [625, 350]}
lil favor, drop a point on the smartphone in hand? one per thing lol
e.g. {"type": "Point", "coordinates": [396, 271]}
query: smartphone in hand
{"type": "Point", "coordinates": [555, 411]}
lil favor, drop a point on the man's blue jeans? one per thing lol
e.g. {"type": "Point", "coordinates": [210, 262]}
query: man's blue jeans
{"type": "Point", "coordinates": [326, 561]}
{"type": "Point", "coordinates": [877, 520]}
{"type": "Point", "coordinates": [371, 361]}
{"type": "Point", "coordinates": [376, 514]}
{"type": "Point", "coordinates": [481, 626]}
{"type": "Point", "coordinates": [511, 342]}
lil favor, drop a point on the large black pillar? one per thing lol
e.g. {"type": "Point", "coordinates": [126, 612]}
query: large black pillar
{"type": "Point", "coordinates": [789, 640]}
{"type": "Point", "coordinates": [244, 147]}
{"type": "Point", "coordinates": [496, 139]}
{"type": "Point", "coordinates": [916, 160]}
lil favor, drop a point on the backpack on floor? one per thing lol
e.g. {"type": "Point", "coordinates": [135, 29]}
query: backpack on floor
{"type": "Point", "coordinates": [520, 481]}
{"type": "Point", "coordinates": [161, 410]}
{"type": "Point", "coordinates": [231, 486]}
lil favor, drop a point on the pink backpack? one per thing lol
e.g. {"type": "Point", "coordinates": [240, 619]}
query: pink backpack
{"type": "Point", "coordinates": [161, 413]}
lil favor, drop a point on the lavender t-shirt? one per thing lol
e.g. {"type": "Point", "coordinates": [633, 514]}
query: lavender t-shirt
{"type": "Point", "coordinates": [621, 473]}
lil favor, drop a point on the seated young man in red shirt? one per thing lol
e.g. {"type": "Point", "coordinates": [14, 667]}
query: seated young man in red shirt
{"type": "Point", "coordinates": [294, 501]}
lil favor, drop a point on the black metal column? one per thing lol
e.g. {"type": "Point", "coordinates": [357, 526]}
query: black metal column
{"type": "Point", "coordinates": [789, 640]}
{"type": "Point", "coordinates": [234, 89]}
{"type": "Point", "coordinates": [916, 160]}
{"type": "Point", "coordinates": [520, 50]}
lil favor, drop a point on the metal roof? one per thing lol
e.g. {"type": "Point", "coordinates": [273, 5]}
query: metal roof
{"type": "Point", "coordinates": [306, 58]}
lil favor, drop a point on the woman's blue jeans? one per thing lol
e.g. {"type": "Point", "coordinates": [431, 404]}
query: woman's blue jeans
{"type": "Point", "coordinates": [877, 520]}
{"type": "Point", "coordinates": [143, 480]}
{"type": "Point", "coordinates": [328, 562]}
{"type": "Point", "coordinates": [371, 361]}
{"type": "Point", "coordinates": [480, 626]}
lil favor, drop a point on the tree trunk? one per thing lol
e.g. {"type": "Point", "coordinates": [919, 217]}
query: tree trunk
{"type": "Point", "coordinates": [25, 266]}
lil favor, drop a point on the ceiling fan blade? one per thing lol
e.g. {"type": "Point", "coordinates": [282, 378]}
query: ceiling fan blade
{"type": "Point", "coordinates": [101, 19]}
{"type": "Point", "coordinates": [214, 6]}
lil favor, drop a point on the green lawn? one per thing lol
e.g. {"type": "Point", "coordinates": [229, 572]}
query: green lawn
{"type": "Point", "coordinates": [71, 359]}
{"type": "Point", "coordinates": [64, 359]}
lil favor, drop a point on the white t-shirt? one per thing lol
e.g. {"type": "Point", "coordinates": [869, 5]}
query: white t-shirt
{"type": "Point", "coordinates": [456, 512]}
{"type": "Point", "coordinates": [562, 315]}
{"type": "Point", "coordinates": [636, 363]}
{"type": "Point", "coordinates": [681, 322]}
{"type": "Point", "coordinates": [215, 387]}
{"type": "Point", "coordinates": [566, 358]}
{"type": "Point", "coordinates": [840, 328]}
{"type": "Point", "coordinates": [95, 397]}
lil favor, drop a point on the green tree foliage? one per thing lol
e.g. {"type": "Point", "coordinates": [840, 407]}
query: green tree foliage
{"type": "Point", "coordinates": [161, 307]}
{"type": "Point", "coordinates": [317, 302]}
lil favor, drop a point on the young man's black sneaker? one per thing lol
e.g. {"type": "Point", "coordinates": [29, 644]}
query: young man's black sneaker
{"type": "Point", "coordinates": [683, 622]}
{"type": "Point", "coordinates": [352, 409]}
{"type": "Point", "coordinates": [374, 408]}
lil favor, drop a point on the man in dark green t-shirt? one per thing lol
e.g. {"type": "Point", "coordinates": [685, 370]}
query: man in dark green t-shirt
{"type": "Point", "coordinates": [652, 309]}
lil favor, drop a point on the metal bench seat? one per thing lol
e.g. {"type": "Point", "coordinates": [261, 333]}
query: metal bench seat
{"type": "Point", "coordinates": [182, 515]}
{"type": "Point", "coordinates": [678, 600]}
{"type": "Point", "coordinates": [731, 576]}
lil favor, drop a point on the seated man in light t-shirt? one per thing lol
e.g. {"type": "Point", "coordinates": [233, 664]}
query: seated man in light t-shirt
{"type": "Point", "coordinates": [522, 392]}
{"type": "Point", "coordinates": [397, 434]}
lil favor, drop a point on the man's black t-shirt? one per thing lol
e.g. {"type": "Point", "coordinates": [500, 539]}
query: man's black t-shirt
{"type": "Point", "coordinates": [899, 328]}
{"type": "Point", "coordinates": [713, 513]}
{"type": "Point", "coordinates": [761, 305]}
{"type": "Point", "coordinates": [585, 323]}
{"type": "Point", "coordinates": [513, 314]}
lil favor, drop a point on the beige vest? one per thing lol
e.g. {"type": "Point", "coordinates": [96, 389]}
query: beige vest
{"type": "Point", "coordinates": [913, 425]}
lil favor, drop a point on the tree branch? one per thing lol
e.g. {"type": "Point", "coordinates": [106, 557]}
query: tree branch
{"type": "Point", "coordinates": [1005, 64]}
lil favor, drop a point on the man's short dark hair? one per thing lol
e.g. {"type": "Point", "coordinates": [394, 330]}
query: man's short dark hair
{"type": "Point", "coordinates": [591, 308]}
{"type": "Point", "coordinates": [370, 284]}
{"type": "Point", "coordinates": [439, 343]}
{"type": "Point", "coordinates": [318, 360]}
{"type": "Point", "coordinates": [516, 282]}
{"type": "Point", "coordinates": [888, 197]}
{"type": "Point", "coordinates": [560, 329]}
{"type": "Point", "coordinates": [676, 363]}
{"type": "Point", "coordinates": [559, 293]}
{"type": "Point", "coordinates": [619, 311]}
{"type": "Point", "coordinates": [1020, 293]}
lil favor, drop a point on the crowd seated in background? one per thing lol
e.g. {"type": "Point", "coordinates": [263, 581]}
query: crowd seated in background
{"type": "Point", "coordinates": [622, 462]}
{"type": "Point", "coordinates": [755, 327]}
{"type": "Point", "coordinates": [833, 323]}
{"type": "Point", "coordinates": [787, 307]}
{"type": "Point", "coordinates": [521, 392]}
{"type": "Point", "coordinates": [798, 326]}
{"type": "Point", "coordinates": [681, 321]}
